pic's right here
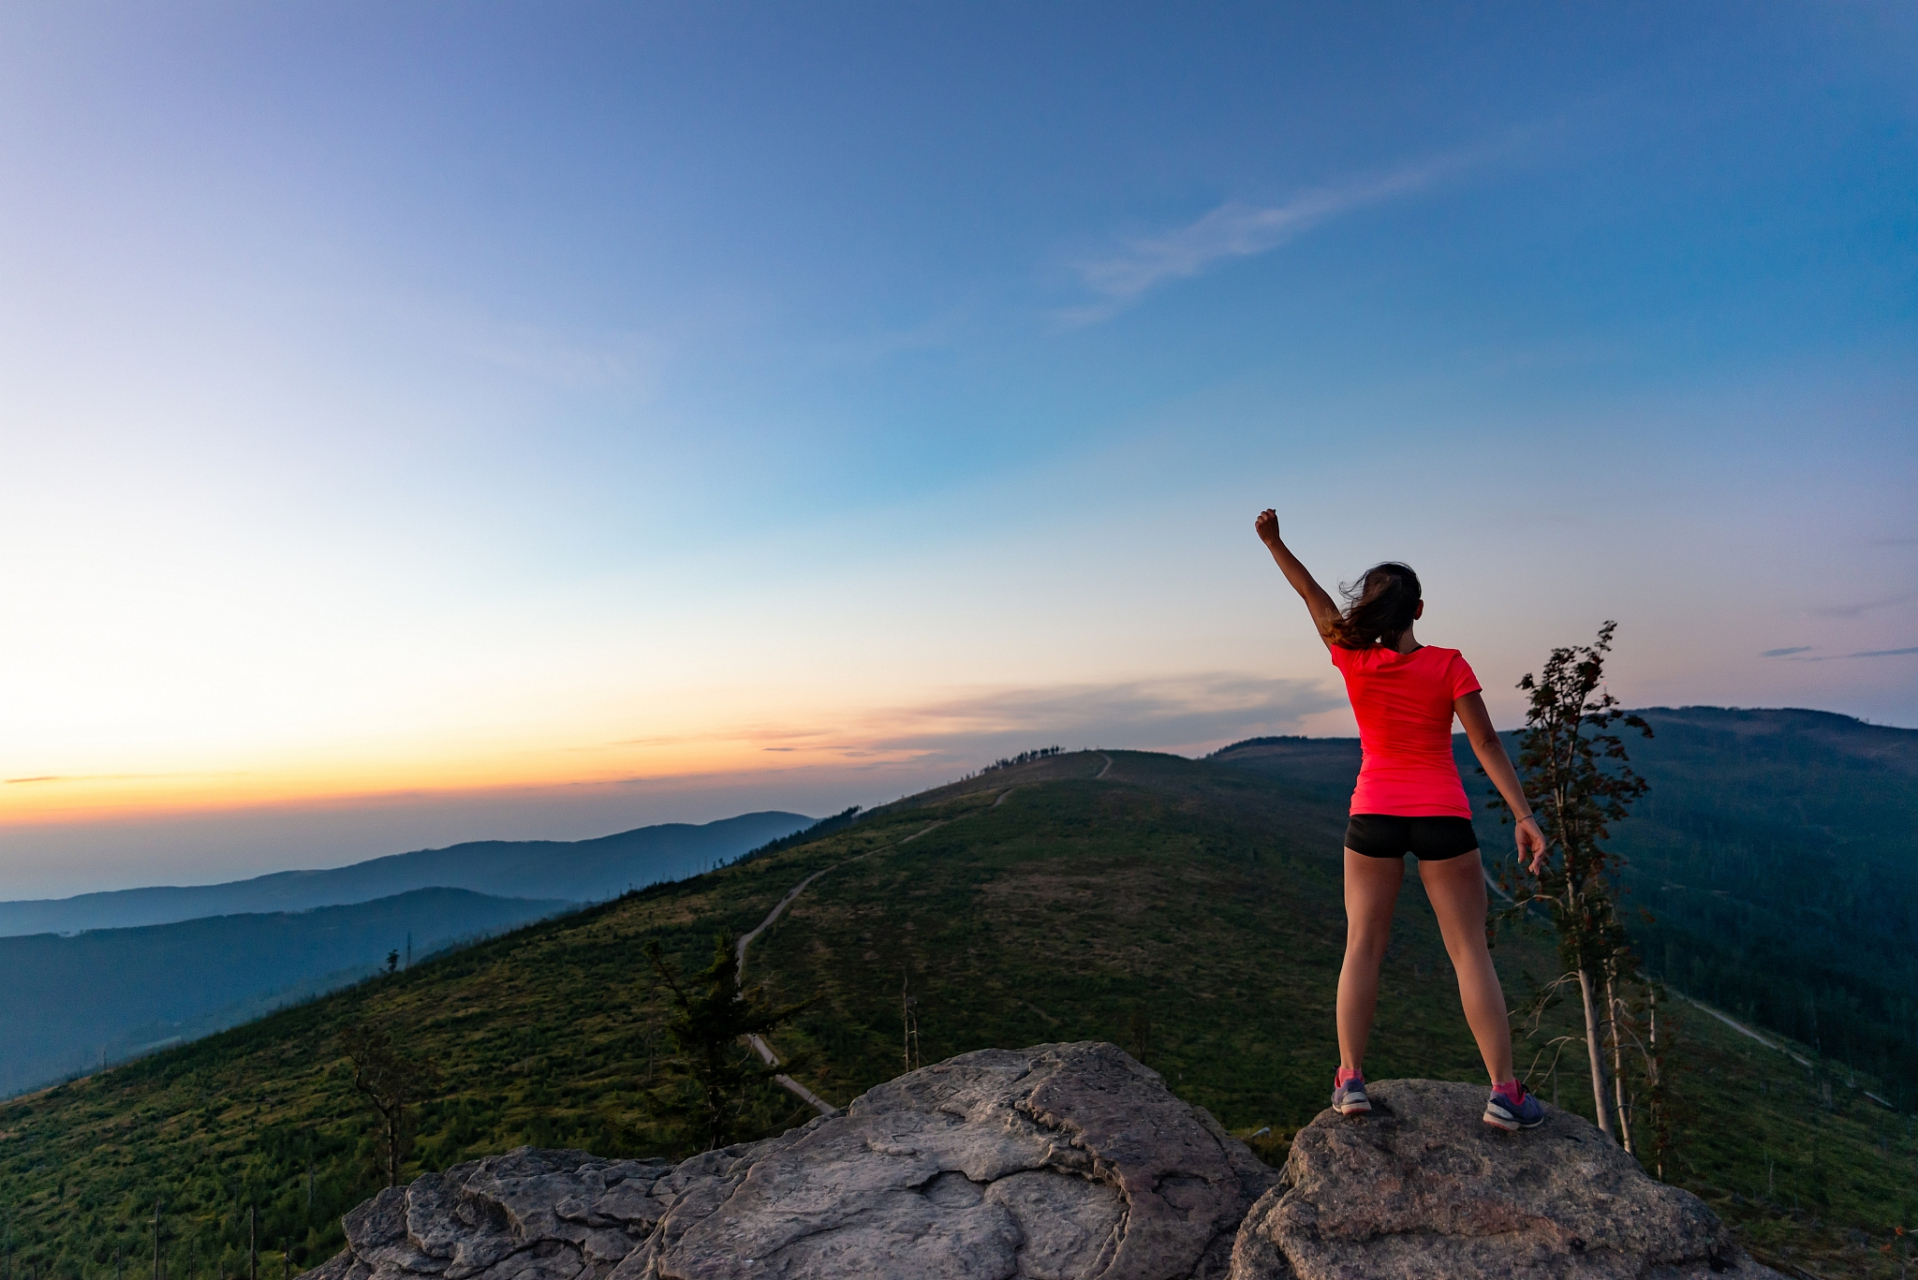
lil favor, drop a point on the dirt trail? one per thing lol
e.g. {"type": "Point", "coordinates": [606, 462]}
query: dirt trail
{"type": "Point", "coordinates": [758, 1043]}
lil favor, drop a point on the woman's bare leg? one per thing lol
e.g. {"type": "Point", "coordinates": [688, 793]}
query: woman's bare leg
{"type": "Point", "coordinates": [1456, 888]}
{"type": "Point", "coordinates": [1371, 890]}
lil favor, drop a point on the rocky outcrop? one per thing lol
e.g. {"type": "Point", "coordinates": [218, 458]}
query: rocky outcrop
{"type": "Point", "coordinates": [1062, 1162]}
{"type": "Point", "coordinates": [1420, 1188]}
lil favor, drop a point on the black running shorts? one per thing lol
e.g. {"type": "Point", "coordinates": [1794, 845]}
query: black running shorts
{"type": "Point", "coordinates": [1382, 835]}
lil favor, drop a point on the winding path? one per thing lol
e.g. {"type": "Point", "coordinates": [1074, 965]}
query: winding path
{"type": "Point", "coordinates": [757, 1042]}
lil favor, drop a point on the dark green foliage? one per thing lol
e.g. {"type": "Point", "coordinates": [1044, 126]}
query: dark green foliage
{"type": "Point", "coordinates": [1579, 780]}
{"type": "Point", "coordinates": [1024, 757]}
{"type": "Point", "coordinates": [709, 1019]}
{"type": "Point", "coordinates": [1777, 857]}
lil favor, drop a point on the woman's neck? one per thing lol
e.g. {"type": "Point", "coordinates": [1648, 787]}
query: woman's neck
{"type": "Point", "coordinates": [1405, 642]}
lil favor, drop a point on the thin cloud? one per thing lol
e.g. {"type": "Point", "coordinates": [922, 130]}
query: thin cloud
{"type": "Point", "coordinates": [113, 777]}
{"type": "Point", "coordinates": [1865, 606]}
{"type": "Point", "coordinates": [1163, 714]}
{"type": "Point", "coordinates": [962, 731]}
{"type": "Point", "coordinates": [1786, 653]}
{"type": "Point", "coordinates": [1841, 657]}
{"type": "Point", "coordinates": [1239, 230]}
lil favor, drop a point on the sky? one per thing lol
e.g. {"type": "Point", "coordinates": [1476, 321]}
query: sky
{"type": "Point", "coordinates": [422, 422]}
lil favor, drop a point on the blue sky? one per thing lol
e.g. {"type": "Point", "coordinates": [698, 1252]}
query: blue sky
{"type": "Point", "coordinates": [427, 409]}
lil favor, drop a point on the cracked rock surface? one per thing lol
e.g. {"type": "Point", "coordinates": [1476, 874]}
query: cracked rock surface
{"type": "Point", "coordinates": [1422, 1188]}
{"type": "Point", "coordinates": [1060, 1162]}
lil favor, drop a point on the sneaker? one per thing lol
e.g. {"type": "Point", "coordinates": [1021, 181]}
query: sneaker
{"type": "Point", "coordinates": [1517, 1110]}
{"type": "Point", "coordinates": [1348, 1094]}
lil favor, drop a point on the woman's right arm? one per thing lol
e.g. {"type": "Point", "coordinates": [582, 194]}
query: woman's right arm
{"type": "Point", "coordinates": [1325, 614]}
{"type": "Point", "coordinates": [1477, 723]}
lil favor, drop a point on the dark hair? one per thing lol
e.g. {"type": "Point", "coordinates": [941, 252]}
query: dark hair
{"type": "Point", "coordinates": [1379, 606]}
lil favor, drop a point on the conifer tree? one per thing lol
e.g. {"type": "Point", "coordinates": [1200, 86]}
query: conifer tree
{"type": "Point", "coordinates": [1579, 781]}
{"type": "Point", "coordinates": [711, 1018]}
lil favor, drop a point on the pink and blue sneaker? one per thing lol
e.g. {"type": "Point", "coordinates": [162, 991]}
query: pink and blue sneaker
{"type": "Point", "coordinates": [1348, 1093]}
{"type": "Point", "coordinates": [1511, 1107]}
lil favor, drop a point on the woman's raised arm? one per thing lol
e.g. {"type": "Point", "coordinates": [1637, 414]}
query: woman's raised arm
{"type": "Point", "coordinates": [1325, 614]}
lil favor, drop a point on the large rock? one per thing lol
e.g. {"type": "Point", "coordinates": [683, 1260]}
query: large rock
{"type": "Point", "coordinates": [1421, 1188]}
{"type": "Point", "coordinates": [1062, 1162]}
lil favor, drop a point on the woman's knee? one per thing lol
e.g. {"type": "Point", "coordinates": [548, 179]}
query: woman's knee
{"type": "Point", "coordinates": [1365, 942]}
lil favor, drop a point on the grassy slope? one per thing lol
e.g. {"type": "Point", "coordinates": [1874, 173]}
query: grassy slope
{"type": "Point", "coordinates": [1205, 897]}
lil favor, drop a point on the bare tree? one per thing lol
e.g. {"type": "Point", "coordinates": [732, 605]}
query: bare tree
{"type": "Point", "coordinates": [909, 1015]}
{"type": "Point", "coordinates": [393, 1082]}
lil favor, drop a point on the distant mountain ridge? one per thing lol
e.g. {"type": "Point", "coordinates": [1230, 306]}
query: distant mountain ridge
{"type": "Point", "coordinates": [569, 870]}
{"type": "Point", "coordinates": [104, 995]}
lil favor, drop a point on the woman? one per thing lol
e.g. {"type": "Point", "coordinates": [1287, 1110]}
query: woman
{"type": "Point", "coordinates": [1409, 800]}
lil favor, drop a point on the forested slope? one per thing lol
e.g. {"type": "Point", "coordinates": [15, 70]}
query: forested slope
{"type": "Point", "coordinates": [1775, 860]}
{"type": "Point", "coordinates": [1777, 855]}
{"type": "Point", "coordinates": [1187, 910]}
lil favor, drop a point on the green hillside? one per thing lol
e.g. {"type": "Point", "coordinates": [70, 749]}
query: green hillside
{"type": "Point", "coordinates": [1777, 853]}
{"type": "Point", "coordinates": [1185, 909]}
{"type": "Point", "coordinates": [1775, 857]}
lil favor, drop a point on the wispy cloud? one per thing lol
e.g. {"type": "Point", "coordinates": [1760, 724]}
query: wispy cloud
{"type": "Point", "coordinates": [1865, 606]}
{"type": "Point", "coordinates": [949, 735]}
{"type": "Point", "coordinates": [1793, 654]}
{"type": "Point", "coordinates": [1239, 230]}
{"type": "Point", "coordinates": [1190, 712]}
{"type": "Point", "coordinates": [113, 777]}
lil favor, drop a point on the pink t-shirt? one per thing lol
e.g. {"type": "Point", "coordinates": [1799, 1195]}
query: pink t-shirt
{"type": "Point", "coordinates": [1403, 702]}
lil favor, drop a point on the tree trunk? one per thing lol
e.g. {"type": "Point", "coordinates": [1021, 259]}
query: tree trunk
{"type": "Point", "coordinates": [1601, 1105]}
{"type": "Point", "coordinates": [393, 1147]}
{"type": "Point", "coordinates": [1618, 1065]}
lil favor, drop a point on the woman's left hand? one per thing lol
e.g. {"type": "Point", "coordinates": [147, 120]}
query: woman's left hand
{"type": "Point", "coordinates": [1531, 842]}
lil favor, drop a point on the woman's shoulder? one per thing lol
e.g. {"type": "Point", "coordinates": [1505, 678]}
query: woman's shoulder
{"type": "Point", "coordinates": [1356, 655]}
{"type": "Point", "coordinates": [1449, 669]}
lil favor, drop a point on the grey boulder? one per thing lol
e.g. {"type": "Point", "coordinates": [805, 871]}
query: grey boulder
{"type": "Point", "coordinates": [1422, 1188]}
{"type": "Point", "coordinates": [1060, 1162]}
